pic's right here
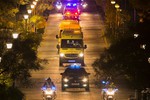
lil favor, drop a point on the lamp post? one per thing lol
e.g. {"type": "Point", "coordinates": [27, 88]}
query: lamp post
{"type": "Point", "coordinates": [136, 35]}
{"type": "Point", "coordinates": [0, 59]}
{"type": "Point", "coordinates": [15, 35]}
{"type": "Point", "coordinates": [32, 6]}
{"type": "Point", "coordinates": [113, 2]}
{"type": "Point", "coordinates": [117, 6]}
{"type": "Point", "coordinates": [9, 45]}
{"type": "Point", "coordinates": [26, 16]}
{"type": "Point", "coordinates": [29, 11]}
{"type": "Point", "coordinates": [34, 2]}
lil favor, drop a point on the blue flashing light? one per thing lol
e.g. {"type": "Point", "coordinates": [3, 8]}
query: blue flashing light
{"type": "Point", "coordinates": [104, 89]}
{"type": "Point", "coordinates": [75, 66]}
{"type": "Point", "coordinates": [103, 82]}
{"type": "Point", "coordinates": [68, 4]}
{"type": "Point", "coordinates": [74, 4]}
{"type": "Point", "coordinates": [44, 88]}
{"type": "Point", "coordinates": [53, 88]}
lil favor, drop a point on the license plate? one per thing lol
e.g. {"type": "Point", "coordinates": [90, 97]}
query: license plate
{"type": "Point", "coordinates": [75, 84]}
{"type": "Point", "coordinates": [71, 60]}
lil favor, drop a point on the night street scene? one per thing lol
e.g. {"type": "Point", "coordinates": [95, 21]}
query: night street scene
{"type": "Point", "coordinates": [74, 49]}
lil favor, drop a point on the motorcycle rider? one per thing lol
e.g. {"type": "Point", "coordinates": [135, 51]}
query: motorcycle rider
{"type": "Point", "coordinates": [107, 90]}
{"type": "Point", "coordinates": [49, 84]}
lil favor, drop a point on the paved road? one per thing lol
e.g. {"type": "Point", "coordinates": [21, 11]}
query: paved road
{"type": "Point", "coordinates": [92, 26]}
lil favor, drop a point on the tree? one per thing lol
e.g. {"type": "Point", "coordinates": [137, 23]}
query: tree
{"type": "Point", "coordinates": [9, 93]}
{"type": "Point", "coordinates": [124, 59]}
{"type": "Point", "coordinates": [17, 63]}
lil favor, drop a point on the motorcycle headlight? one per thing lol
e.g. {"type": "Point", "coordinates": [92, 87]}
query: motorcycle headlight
{"type": "Point", "coordinates": [66, 80]}
{"type": "Point", "coordinates": [85, 79]}
{"type": "Point", "coordinates": [59, 6]}
{"type": "Point", "coordinates": [81, 55]}
{"type": "Point", "coordinates": [61, 55]}
{"type": "Point", "coordinates": [49, 92]}
{"type": "Point", "coordinates": [110, 92]}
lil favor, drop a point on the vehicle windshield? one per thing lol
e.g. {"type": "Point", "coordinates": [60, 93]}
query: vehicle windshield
{"type": "Point", "coordinates": [71, 43]}
{"type": "Point", "coordinates": [75, 72]}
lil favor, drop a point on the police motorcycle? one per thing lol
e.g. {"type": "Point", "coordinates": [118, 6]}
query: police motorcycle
{"type": "Point", "coordinates": [49, 92]}
{"type": "Point", "coordinates": [109, 91]}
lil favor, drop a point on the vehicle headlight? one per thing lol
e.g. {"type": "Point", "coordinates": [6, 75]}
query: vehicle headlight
{"type": "Point", "coordinates": [65, 85]}
{"type": "Point", "coordinates": [81, 55]}
{"type": "Point", "coordinates": [49, 92]}
{"type": "Point", "coordinates": [66, 80]}
{"type": "Point", "coordinates": [84, 85]}
{"type": "Point", "coordinates": [58, 6]}
{"type": "Point", "coordinates": [84, 79]}
{"type": "Point", "coordinates": [61, 55]}
{"type": "Point", "coordinates": [84, 5]}
{"type": "Point", "coordinates": [110, 92]}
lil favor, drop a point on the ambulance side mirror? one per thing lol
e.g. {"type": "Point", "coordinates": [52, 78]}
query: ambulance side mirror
{"type": "Point", "coordinates": [85, 46]}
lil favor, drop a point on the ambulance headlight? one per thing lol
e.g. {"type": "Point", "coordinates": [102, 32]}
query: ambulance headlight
{"type": "Point", "coordinates": [84, 79]}
{"type": "Point", "coordinates": [61, 55]}
{"type": "Point", "coordinates": [81, 55]}
{"type": "Point", "coordinates": [66, 80]}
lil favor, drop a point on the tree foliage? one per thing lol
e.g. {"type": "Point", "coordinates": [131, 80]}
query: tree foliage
{"type": "Point", "coordinates": [124, 59]}
{"type": "Point", "coordinates": [10, 93]}
{"type": "Point", "coordinates": [22, 58]}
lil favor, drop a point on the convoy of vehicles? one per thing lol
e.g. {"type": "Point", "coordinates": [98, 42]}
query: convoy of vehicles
{"type": "Point", "coordinates": [75, 76]}
{"type": "Point", "coordinates": [70, 48]}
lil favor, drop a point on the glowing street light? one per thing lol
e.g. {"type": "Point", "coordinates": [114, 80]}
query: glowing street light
{"type": "Point", "coordinates": [34, 2]}
{"type": "Point", "coordinates": [29, 11]}
{"type": "Point", "coordinates": [9, 45]}
{"type": "Point", "coordinates": [136, 35]}
{"type": "Point", "coordinates": [113, 2]}
{"type": "Point", "coordinates": [26, 16]}
{"type": "Point", "coordinates": [15, 35]}
{"type": "Point", "coordinates": [117, 6]}
{"type": "Point", "coordinates": [32, 6]}
{"type": "Point", "coordinates": [143, 46]}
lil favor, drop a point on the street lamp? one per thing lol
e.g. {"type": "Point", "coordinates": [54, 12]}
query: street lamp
{"type": "Point", "coordinates": [136, 35]}
{"type": "Point", "coordinates": [117, 6]}
{"type": "Point", "coordinates": [113, 2]}
{"type": "Point", "coordinates": [9, 45]}
{"type": "Point", "coordinates": [15, 35]}
{"type": "Point", "coordinates": [143, 46]}
{"type": "Point", "coordinates": [29, 11]}
{"type": "Point", "coordinates": [34, 2]}
{"type": "Point", "coordinates": [26, 16]}
{"type": "Point", "coordinates": [32, 6]}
